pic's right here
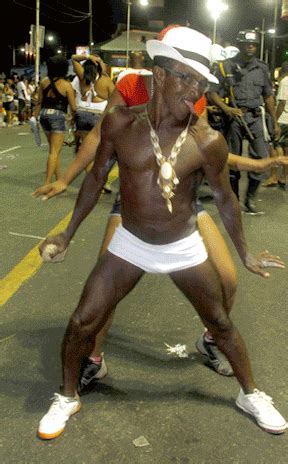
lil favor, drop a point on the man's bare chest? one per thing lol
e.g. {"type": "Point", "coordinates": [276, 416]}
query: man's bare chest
{"type": "Point", "coordinates": [135, 152]}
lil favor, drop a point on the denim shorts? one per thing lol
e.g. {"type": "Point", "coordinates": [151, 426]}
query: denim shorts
{"type": "Point", "coordinates": [52, 120]}
{"type": "Point", "coordinates": [85, 120]}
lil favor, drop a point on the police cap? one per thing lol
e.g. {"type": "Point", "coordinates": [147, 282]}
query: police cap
{"type": "Point", "coordinates": [248, 36]}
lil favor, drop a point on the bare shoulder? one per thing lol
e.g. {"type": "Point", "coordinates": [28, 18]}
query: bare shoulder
{"type": "Point", "coordinates": [211, 143]}
{"type": "Point", "coordinates": [119, 118]}
{"type": "Point", "coordinates": [105, 79]}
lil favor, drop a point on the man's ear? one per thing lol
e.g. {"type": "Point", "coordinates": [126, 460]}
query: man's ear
{"type": "Point", "coordinates": [159, 75]}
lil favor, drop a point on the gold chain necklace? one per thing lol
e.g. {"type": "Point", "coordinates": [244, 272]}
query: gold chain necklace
{"type": "Point", "coordinates": [167, 179]}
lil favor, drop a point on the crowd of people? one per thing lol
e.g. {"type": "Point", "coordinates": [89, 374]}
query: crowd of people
{"type": "Point", "coordinates": [155, 123]}
{"type": "Point", "coordinates": [17, 99]}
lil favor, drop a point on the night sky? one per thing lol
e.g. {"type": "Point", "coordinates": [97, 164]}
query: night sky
{"type": "Point", "coordinates": [66, 20]}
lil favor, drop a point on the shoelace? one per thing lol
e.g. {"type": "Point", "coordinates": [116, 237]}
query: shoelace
{"type": "Point", "coordinates": [260, 398]}
{"type": "Point", "coordinates": [58, 403]}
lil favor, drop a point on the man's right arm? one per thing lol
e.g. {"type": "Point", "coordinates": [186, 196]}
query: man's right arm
{"type": "Point", "coordinates": [90, 190]}
{"type": "Point", "coordinates": [85, 155]}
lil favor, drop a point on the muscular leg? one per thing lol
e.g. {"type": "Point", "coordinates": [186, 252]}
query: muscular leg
{"type": "Point", "coordinates": [111, 279]}
{"type": "Point", "coordinates": [202, 287]}
{"type": "Point", "coordinates": [112, 223]}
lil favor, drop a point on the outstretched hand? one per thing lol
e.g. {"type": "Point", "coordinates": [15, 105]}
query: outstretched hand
{"type": "Point", "coordinates": [264, 259]}
{"type": "Point", "coordinates": [50, 190]}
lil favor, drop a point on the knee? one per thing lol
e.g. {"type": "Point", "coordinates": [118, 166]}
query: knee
{"type": "Point", "coordinates": [78, 328]}
{"type": "Point", "coordinates": [220, 326]}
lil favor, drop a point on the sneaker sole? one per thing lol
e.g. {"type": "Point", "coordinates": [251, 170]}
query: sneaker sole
{"type": "Point", "coordinates": [50, 436]}
{"type": "Point", "coordinates": [254, 214]}
{"type": "Point", "coordinates": [276, 431]}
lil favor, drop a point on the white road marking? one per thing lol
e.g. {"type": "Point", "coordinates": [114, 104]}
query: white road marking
{"type": "Point", "coordinates": [26, 235]}
{"type": "Point", "coordinates": [10, 149]}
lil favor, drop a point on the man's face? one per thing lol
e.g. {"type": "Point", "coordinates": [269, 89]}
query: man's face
{"type": "Point", "coordinates": [249, 48]}
{"type": "Point", "coordinates": [183, 86]}
{"type": "Point", "coordinates": [187, 85]}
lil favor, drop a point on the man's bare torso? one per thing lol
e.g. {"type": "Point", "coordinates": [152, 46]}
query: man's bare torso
{"type": "Point", "coordinates": [143, 209]}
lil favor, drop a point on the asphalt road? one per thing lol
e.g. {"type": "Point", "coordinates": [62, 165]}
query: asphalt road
{"type": "Point", "coordinates": [185, 411]}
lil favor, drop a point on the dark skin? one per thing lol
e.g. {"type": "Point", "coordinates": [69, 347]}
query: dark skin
{"type": "Point", "coordinates": [125, 135]}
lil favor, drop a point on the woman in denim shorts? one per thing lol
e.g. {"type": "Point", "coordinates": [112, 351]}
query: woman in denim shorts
{"type": "Point", "coordinates": [55, 94]}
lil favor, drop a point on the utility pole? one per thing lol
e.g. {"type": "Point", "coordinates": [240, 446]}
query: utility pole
{"type": "Point", "coordinates": [273, 55]}
{"type": "Point", "coordinates": [262, 32]}
{"type": "Point", "coordinates": [90, 23]}
{"type": "Point", "coordinates": [37, 45]}
{"type": "Point", "coordinates": [129, 3]}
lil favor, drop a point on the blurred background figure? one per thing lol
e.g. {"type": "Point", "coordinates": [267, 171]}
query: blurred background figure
{"type": "Point", "coordinates": [23, 97]}
{"type": "Point", "coordinates": [55, 94]}
{"type": "Point", "coordinates": [8, 101]}
{"type": "Point", "coordinates": [280, 147]}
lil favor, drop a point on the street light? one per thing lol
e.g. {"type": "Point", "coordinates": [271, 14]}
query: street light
{"type": "Point", "coordinates": [129, 3]}
{"type": "Point", "coordinates": [216, 7]}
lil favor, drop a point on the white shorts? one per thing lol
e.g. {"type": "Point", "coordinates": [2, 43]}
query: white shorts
{"type": "Point", "coordinates": [187, 252]}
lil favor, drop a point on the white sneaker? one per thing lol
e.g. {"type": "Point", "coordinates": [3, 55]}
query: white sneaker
{"type": "Point", "coordinates": [260, 406]}
{"type": "Point", "coordinates": [53, 423]}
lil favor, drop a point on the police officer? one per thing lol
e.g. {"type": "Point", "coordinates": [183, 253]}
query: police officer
{"type": "Point", "coordinates": [245, 83]}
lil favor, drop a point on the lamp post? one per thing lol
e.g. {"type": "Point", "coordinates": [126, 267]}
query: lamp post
{"type": "Point", "coordinates": [37, 45]}
{"type": "Point", "coordinates": [273, 55]}
{"type": "Point", "coordinates": [262, 32]}
{"type": "Point", "coordinates": [216, 7]}
{"type": "Point", "coordinates": [129, 3]}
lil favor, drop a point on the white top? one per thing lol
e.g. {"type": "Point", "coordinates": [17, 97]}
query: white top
{"type": "Point", "coordinates": [283, 95]}
{"type": "Point", "coordinates": [89, 94]}
{"type": "Point", "coordinates": [22, 91]}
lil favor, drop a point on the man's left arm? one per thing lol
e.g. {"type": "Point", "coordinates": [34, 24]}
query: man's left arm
{"type": "Point", "coordinates": [216, 170]}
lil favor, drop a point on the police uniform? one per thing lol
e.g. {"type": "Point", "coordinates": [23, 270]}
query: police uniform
{"type": "Point", "coordinates": [245, 84]}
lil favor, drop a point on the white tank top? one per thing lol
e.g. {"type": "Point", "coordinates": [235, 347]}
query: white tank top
{"type": "Point", "coordinates": [89, 94]}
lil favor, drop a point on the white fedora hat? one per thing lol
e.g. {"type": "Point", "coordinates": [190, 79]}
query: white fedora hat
{"type": "Point", "coordinates": [217, 53]}
{"type": "Point", "coordinates": [231, 51]}
{"type": "Point", "coordinates": [186, 45]}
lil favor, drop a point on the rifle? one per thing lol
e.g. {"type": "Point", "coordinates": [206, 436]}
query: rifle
{"type": "Point", "coordinates": [242, 122]}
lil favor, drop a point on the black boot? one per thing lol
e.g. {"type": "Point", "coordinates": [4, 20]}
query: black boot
{"type": "Point", "coordinates": [250, 207]}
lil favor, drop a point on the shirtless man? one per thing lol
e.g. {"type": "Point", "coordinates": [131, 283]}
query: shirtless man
{"type": "Point", "coordinates": [159, 231]}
